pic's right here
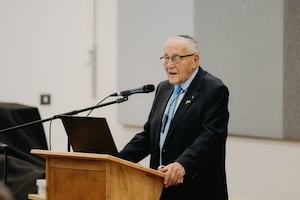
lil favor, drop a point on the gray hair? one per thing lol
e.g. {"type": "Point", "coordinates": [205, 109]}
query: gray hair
{"type": "Point", "coordinates": [191, 42]}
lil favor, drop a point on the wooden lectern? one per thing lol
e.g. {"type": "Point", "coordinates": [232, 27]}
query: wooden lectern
{"type": "Point", "coordinates": [79, 176]}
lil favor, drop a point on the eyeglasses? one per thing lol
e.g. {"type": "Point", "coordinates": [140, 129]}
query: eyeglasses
{"type": "Point", "coordinates": [175, 59]}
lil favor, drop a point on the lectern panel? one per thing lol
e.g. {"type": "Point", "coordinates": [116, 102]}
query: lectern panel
{"type": "Point", "coordinates": [76, 184]}
{"type": "Point", "coordinates": [133, 184]}
{"type": "Point", "coordinates": [77, 176]}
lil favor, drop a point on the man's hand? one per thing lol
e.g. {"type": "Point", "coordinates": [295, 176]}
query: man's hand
{"type": "Point", "coordinates": [174, 174]}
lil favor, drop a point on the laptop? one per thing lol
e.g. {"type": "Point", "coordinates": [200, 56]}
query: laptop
{"type": "Point", "coordinates": [89, 134]}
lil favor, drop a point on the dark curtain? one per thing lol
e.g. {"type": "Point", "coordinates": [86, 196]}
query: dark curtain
{"type": "Point", "coordinates": [23, 168]}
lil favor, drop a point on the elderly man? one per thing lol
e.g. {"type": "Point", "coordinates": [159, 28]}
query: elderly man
{"type": "Point", "coordinates": [186, 130]}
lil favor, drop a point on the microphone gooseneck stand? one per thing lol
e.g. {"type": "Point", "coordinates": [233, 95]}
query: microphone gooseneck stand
{"type": "Point", "coordinates": [74, 112]}
{"type": "Point", "coordinates": [3, 148]}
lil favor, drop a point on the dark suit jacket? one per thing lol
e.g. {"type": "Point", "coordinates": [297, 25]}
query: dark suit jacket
{"type": "Point", "coordinates": [196, 138]}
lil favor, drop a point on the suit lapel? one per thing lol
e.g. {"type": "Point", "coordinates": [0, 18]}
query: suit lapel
{"type": "Point", "coordinates": [190, 96]}
{"type": "Point", "coordinates": [161, 109]}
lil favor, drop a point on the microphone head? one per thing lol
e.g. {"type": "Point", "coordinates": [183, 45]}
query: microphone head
{"type": "Point", "coordinates": [148, 88]}
{"type": "Point", "coordinates": [144, 89]}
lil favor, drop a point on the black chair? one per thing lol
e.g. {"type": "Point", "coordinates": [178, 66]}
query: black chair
{"type": "Point", "coordinates": [20, 167]}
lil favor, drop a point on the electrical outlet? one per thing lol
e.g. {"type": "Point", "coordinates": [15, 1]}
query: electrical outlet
{"type": "Point", "coordinates": [45, 99]}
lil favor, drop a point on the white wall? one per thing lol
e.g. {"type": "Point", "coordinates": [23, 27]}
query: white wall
{"type": "Point", "coordinates": [260, 169]}
{"type": "Point", "coordinates": [257, 169]}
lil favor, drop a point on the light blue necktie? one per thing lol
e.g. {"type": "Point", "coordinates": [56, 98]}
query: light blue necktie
{"type": "Point", "coordinates": [167, 118]}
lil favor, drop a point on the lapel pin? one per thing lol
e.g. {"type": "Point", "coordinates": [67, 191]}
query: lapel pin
{"type": "Point", "coordinates": [188, 101]}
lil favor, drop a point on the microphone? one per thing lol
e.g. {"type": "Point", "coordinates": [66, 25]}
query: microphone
{"type": "Point", "coordinates": [144, 89]}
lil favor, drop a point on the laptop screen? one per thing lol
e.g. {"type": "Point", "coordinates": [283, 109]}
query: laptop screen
{"type": "Point", "coordinates": [89, 134]}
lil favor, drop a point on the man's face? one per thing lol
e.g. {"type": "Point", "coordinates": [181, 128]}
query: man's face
{"type": "Point", "coordinates": [180, 71]}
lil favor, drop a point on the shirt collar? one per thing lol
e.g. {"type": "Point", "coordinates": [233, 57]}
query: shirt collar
{"type": "Point", "coordinates": [187, 83]}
